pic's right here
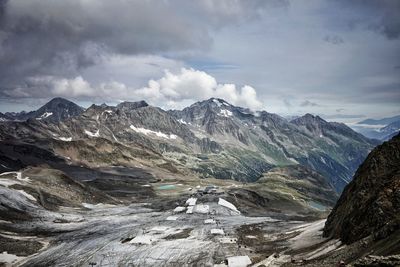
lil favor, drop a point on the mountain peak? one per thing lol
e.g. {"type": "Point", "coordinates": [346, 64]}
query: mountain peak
{"type": "Point", "coordinates": [132, 105]}
{"type": "Point", "coordinates": [308, 119]}
{"type": "Point", "coordinates": [313, 117]}
{"type": "Point", "coordinates": [212, 102]}
{"type": "Point", "coordinates": [57, 109]}
{"type": "Point", "coordinates": [59, 100]}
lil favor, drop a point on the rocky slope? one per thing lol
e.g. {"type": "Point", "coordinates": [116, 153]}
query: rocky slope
{"type": "Point", "coordinates": [300, 184]}
{"type": "Point", "coordinates": [291, 188]}
{"type": "Point", "coordinates": [332, 149]}
{"type": "Point", "coordinates": [370, 204]}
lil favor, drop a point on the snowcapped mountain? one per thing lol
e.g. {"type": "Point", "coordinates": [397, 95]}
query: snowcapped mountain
{"type": "Point", "coordinates": [211, 138]}
{"type": "Point", "coordinates": [55, 110]}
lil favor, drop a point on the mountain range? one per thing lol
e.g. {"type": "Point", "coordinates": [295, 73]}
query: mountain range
{"type": "Point", "coordinates": [210, 138]}
{"type": "Point", "coordinates": [384, 121]}
{"type": "Point", "coordinates": [381, 129]}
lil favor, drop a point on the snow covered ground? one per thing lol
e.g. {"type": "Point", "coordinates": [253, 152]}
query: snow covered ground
{"type": "Point", "coordinates": [207, 234]}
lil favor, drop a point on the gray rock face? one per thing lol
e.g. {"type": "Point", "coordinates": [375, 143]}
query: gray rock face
{"type": "Point", "coordinates": [370, 204]}
{"type": "Point", "coordinates": [132, 105]}
{"type": "Point", "coordinates": [377, 261]}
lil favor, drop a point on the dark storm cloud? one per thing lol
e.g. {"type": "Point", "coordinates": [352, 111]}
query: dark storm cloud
{"type": "Point", "coordinates": [2, 10]}
{"type": "Point", "coordinates": [59, 38]}
{"type": "Point", "coordinates": [381, 16]}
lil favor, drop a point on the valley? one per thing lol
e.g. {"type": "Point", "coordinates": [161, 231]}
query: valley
{"type": "Point", "coordinates": [164, 230]}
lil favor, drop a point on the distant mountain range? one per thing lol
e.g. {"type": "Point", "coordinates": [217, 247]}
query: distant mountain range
{"type": "Point", "coordinates": [211, 138]}
{"type": "Point", "coordinates": [384, 121]}
{"type": "Point", "coordinates": [381, 129]}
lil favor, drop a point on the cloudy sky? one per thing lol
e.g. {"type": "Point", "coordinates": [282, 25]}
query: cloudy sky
{"type": "Point", "coordinates": [339, 58]}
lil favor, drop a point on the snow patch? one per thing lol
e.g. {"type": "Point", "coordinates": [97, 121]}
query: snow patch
{"type": "Point", "coordinates": [97, 206]}
{"type": "Point", "coordinates": [191, 201]}
{"type": "Point", "coordinates": [200, 208]}
{"type": "Point", "coordinates": [172, 218]}
{"type": "Point", "coordinates": [18, 176]}
{"type": "Point", "coordinates": [217, 102]}
{"type": "Point", "coordinates": [217, 232]}
{"type": "Point", "coordinates": [143, 239]}
{"type": "Point", "coordinates": [228, 240]}
{"type": "Point", "coordinates": [181, 121]}
{"type": "Point", "coordinates": [179, 209]}
{"type": "Point", "coordinates": [225, 113]}
{"type": "Point", "coordinates": [7, 183]}
{"type": "Point", "coordinates": [239, 261]}
{"type": "Point", "coordinates": [9, 258]}
{"type": "Point", "coordinates": [28, 196]}
{"type": "Point", "coordinates": [189, 210]}
{"type": "Point", "coordinates": [227, 204]}
{"type": "Point", "coordinates": [89, 133]}
{"type": "Point", "coordinates": [66, 139]}
{"type": "Point", "coordinates": [151, 132]}
{"type": "Point", "coordinates": [159, 229]}
{"type": "Point", "coordinates": [45, 115]}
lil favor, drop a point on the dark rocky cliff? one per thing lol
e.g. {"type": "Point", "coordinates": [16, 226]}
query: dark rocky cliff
{"type": "Point", "coordinates": [370, 204]}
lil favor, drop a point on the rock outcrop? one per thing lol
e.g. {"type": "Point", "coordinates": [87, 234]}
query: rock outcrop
{"type": "Point", "coordinates": [370, 204]}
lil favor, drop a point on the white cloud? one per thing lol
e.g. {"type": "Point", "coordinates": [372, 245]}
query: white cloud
{"type": "Point", "coordinates": [190, 84]}
{"type": "Point", "coordinates": [173, 90]}
{"type": "Point", "coordinates": [72, 87]}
